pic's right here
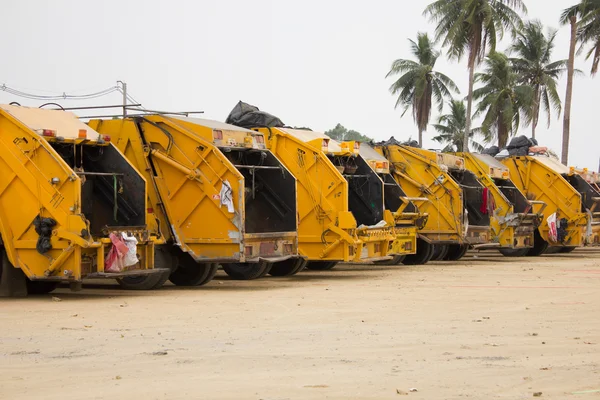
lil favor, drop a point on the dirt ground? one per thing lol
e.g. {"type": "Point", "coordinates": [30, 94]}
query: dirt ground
{"type": "Point", "coordinates": [487, 327]}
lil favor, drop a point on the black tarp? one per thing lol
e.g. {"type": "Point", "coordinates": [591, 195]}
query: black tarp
{"type": "Point", "coordinates": [249, 116]}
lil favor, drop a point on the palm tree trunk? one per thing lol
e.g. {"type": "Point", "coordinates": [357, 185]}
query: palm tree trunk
{"type": "Point", "coordinates": [536, 112]}
{"type": "Point", "coordinates": [421, 138]}
{"type": "Point", "coordinates": [469, 108]}
{"type": "Point", "coordinates": [569, 95]}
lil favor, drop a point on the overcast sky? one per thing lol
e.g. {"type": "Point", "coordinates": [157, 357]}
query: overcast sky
{"type": "Point", "coordinates": [312, 63]}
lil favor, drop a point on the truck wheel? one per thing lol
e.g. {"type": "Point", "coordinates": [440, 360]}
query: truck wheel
{"type": "Point", "coordinates": [552, 250]}
{"type": "Point", "coordinates": [456, 252]}
{"type": "Point", "coordinates": [567, 249]}
{"type": "Point", "coordinates": [191, 273]}
{"type": "Point", "coordinates": [424, 254]}
{"type": "Point", "coordinates": [440, 251]}
{"type": "Point", "coordinates": [514, 252]}
{"type": "Point", "coordinates": [247, 271]}
{"type": "Point", "coordinates": [288, 267]}
{"type": "Point", "coordinates": [539, 245]}
{"type": "Point", "coordinates": [162, 259]}
{"type": "Point", "coordinates": [40, 287]}
{"type": "Point", "coordinates": [320, 265]}
{"type": "Point", "coordinates": [396, 259]}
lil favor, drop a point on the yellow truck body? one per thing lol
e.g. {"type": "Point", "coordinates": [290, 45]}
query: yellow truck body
{"type": "Point", "coordinates": [421, 176]}
{"type": "Point", "coordinates": [221, 197]}
{"type": "Point", "coordinates": [545, 179]}
{"type": "Point", "coordinates": [513, 218]}
{"type": "Point", "coordinates": [78, 188]}
{"type": "Point", "coordinates": [328, 231]}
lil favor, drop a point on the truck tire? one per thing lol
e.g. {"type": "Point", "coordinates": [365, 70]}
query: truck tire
{"type": "Point", "coordinates": [539, 245]}
{"type": "Point", "coordinates": [440, 251]}
{"type": "Point", "coordinates": [162, 259]}
{"type": "Point", "coordinates": [40, 287]}
{"type": "Point", "coordinates": [565, 250]}
{"type": "Point", "coordinates": [423, 256]}
{"type": "Point", "coordinates": [396, 260]}
{"type": "Point", "coordinates": [191, 273]}
{"type": "Point", "coordinates": [456, 252]}
{"type": "Point", "coordinates": [247, 271]}
{"type": "Point", "coordinates": [288, 267]}
{"type": "Point", "coordinates": [514, 252]}
{"type": "Point", "coordinates": [320, 265]}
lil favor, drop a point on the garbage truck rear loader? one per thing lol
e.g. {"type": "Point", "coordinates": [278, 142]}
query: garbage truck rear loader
{"type": "Point", "coordinates": [544, 179]}
{"type": "Point", "coordinates": [445, 230]}
{"type": "Point", "coordinates": [220, 194]}
{"type": "Point", "coordinates": [328, 231]}
{"type": "Point", "coordinates": [514, 219]}
{"type": "Point", "coordinates": [64, 189]}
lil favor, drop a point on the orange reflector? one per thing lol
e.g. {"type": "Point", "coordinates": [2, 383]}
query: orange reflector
{"type": "Point", "coordinates": [82, 134]}
{"type": "Point", "coordinates": [48, 133]}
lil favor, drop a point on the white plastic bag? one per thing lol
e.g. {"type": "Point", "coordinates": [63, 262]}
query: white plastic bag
{"type": "Point", "coordinates": [227, 196]}
{"type": "Point", "coordinates": [552, 228]}
{"type": "Point", "coordinates": [131, 257]}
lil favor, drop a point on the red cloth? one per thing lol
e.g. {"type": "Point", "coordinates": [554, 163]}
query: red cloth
{"type": "Point", "coordinates": [484, 201]}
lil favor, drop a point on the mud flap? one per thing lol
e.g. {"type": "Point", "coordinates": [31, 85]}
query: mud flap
{"type": "Point", "coordinates": [13, 282]}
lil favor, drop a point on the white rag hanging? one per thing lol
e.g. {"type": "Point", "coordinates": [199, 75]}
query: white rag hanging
{"type": "Point", "coordinates": [227, 196]}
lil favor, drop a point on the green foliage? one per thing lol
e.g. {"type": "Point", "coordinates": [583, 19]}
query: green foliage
{"type": "Point", "coordinates": [418, 85]}
{"type": "Point", "coordinates": [588, 31]}
{"type": "Point", "coordinates": [535, 68]}
{"type": "Point", "coordinates": [451, 128]}
{"type": "Point", "coordinates": [502, 99]}
{"type": "Point", "coordinates": [341, 134]}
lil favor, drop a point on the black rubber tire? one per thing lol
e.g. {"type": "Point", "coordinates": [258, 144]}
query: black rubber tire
{"type": "Point", "coordinates": [539, 245]}
{"type": "Point", "coordinates": [552, 250]}
{"type": "Point", "coordinates": [456, 252]}
{"type": "Point", "coordinates": [423, 255]}
{"type": "Point", "coordinates": [40, 287]}
{"type": "Point", "coordinates": [320, 265]}
{"type": "Point", "coordinates": [566, 250]}
{"type": "Point", "coordinates": [190, 273]}
{"type": "Point", "coordinates": [514, 252]}
{"type": "Point", "coordinates": [247, 271]}
{"type": "Point", "coordinates": [439, 252]}
{"type": "Point", "coordinates": [396, 260]}
{"type": "Point", "coordinates": [162, 259]}
{"type": "Point", "coordinates": [288, 267]}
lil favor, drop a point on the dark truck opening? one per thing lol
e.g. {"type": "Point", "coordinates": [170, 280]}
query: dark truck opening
{"type": "Point", "coordinates": [365, 197]}
{"type": "Point", "coordinates": [392, 192]}
{"type": "Point", "coordinates": [270, 191]}
{"type": "Point", "coordinates": [514, 195]}
{"type": "Point", "coordinates": [588, 192]}
{"type": "Point", "coordinates": [473, 197]}
{"type": "Point", "coordinates": [112, 193]}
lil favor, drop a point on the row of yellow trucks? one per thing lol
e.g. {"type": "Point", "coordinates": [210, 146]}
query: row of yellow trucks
{"type": "Point", "coordinates": [196, 195]}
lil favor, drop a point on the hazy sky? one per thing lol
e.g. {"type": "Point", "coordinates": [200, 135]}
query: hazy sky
{"type": "Point", "coordinates": [311, 63]}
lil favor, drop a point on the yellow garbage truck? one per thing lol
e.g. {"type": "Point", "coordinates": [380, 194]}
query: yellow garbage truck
{"type": "Point", "coordinates": [565, 222]}
{"type": "Point", "coordinates": [68, 198]}
{"type": "Point", "coordinates": [219, 195]}
{"type": "Point", "coordinates": [514, 219]}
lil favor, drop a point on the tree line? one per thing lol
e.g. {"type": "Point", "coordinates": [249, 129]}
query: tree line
{"type": "Point", "coordinates": [507, 90]}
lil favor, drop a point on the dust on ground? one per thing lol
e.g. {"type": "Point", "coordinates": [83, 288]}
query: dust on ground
{"type": "Point", "coordinates": [485, 327]}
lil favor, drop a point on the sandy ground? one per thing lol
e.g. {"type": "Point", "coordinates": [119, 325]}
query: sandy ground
{"type": "Point", "coordinates": [488, 327]}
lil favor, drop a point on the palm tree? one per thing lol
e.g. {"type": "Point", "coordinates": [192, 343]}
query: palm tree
{"type": "Point", "coordinates": [473, 26]}
{"type": "Point", "coordinates": [451, 128]}
{"type": "Point", "coordinates": [419, 83]}
{"type": "Point", "coordinates": [535, 66]}
{"type": "Point", "coordinates": [588, 13]}
{"type": "Point", "coordinates": [588, 32]}
{"type": "Point", "coordinates": [502, 99]}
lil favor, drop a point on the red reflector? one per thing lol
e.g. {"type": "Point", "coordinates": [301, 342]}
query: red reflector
{"type": "Point", "coordinates": [49, 133]}
{"type": "Point", "coordinates": [218, 135]}
{"type": "Point", "coordinates": [106, 138]}
{"type": "Point", "coordinates": [356, 145]}
{"type": "Point", "coordinates": [150, 210]}
{"type": "Point", "coordinates": [408, 246]}
{"type": "Point", "coordinates": [248, 250]}
{"type": "Point", "coordinates": [82, 134]}
{"type": "Point", "coordinates": [259, 139]}
{"type": "Point", "coordinates": [288, 248]}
